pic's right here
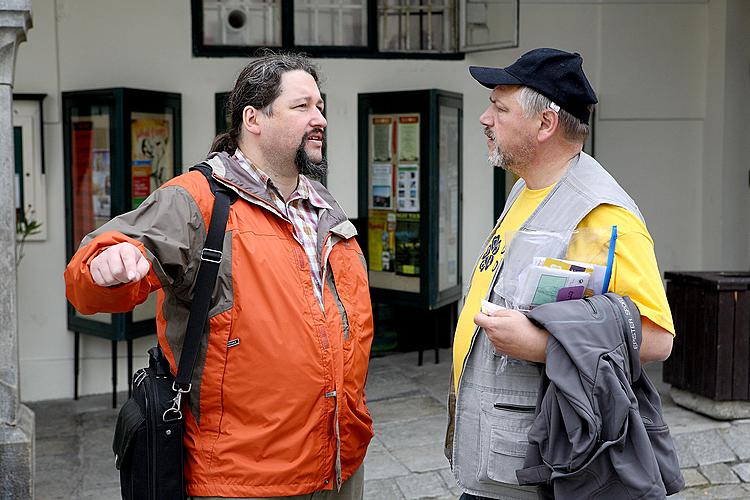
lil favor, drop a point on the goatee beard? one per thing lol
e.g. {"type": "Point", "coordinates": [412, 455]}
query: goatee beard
{"type": "Point", "coordinates": [305, 165]}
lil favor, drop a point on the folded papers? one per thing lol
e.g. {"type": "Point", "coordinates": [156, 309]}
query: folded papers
{"type": "Point", "coordinates": [552, 280]}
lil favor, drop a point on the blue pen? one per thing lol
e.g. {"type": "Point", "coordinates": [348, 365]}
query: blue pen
{"type": "Point", "coordinates": [610, 260]}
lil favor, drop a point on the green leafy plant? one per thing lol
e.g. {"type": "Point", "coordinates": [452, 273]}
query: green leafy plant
{"type": "Point", "coordinates": [24, 228]}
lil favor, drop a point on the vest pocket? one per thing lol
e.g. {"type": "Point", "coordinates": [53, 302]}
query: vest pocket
{"type": "Point", "coordinates": [504, 424]}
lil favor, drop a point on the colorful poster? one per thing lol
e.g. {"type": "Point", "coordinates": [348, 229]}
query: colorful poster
{"type": "Point", "coordinates": [408, 138]}
{"type": "Point", "coordinates": [407, 188]}
{"type": "Point", "coordinates": [382, 185]}
{"type": "Point", "coordinates": [140, 181]}
{"type": "Point", "coordinates": [382, 240]}
{"type": "Point", "coordinates": [101, 184]}
{"type": "Point", "coordinates": [89, 141]}
{"type": "Point", "coordinates": [382, 138]}
{"type": "Point", "coordinates": [407, 244]}
{"type": "Point", "coordinates": [151, 150]}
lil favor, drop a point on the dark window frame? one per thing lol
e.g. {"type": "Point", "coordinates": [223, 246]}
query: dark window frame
{"type": "Point", "coordinates": [370, 51]}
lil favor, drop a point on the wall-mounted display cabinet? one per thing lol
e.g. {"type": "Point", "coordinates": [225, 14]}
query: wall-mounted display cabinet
{"type": "Point", "coordinates": [410, 195]}
{"type": "Point", "coordinates": [120, 144]}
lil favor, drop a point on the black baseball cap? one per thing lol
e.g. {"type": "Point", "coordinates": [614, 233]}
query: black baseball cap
{"type": "Point", "coordinates": [556, 74]}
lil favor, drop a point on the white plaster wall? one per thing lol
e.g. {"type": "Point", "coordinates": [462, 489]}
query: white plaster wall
{"type": "Point", "coordinates": [648, 63]}
{"type": "Point", "coordinates": [735, 188]}
{"type": "Point", "coordinates": [726, 213]}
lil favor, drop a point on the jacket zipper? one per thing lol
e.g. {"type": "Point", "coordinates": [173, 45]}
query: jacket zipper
{"type": "Point", "coordinates": [251, 198]}
{"type": "Point", "coordinates": [337, 460]}
{"type": "Point", "coordinates": [591, 306]}
{"type": "Point", "coordinates": [151, 432]}
{"type": "Point", "coordinates": [515, 408]}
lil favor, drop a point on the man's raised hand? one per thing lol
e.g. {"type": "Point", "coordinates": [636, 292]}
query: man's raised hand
{"type": "Point", "coordinates": [121, 263]}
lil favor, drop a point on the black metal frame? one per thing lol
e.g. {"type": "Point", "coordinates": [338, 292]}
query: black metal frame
{"type": "Point", "coordinates": [370, 51]}
{"type": "Point", "coordinates": [220, 110]}
{"type": "Point", "coordinates": [122, 102]}
{"type": "Point", "coordinates": [427, 103]}
{"type": "Point", "coordinates": [40, 99]}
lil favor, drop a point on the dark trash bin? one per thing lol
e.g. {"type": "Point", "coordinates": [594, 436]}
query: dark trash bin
{"type": "Point", "coordinates": [711, 353]}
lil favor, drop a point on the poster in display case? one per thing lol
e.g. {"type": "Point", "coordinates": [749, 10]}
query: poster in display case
{"type": "Point", "coordinates": [409, 195]}
{"type": "Point", "coordinates": [120, 145]}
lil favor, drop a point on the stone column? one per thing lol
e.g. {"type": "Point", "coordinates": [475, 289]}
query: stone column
{"type": "Point", "coordinates": [16, 420]}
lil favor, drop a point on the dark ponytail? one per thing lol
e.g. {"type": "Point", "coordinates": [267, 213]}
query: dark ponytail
{"type": "Point", "coordinates": [224, 143]}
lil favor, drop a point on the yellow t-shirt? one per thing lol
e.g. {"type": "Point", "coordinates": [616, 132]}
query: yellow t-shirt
{"type": "Point", "coordinates": [635, 272]}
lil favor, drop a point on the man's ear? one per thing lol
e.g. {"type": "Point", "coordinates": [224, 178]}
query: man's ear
{"type": "Point", "coordinates": [250, 120]}
{"type": "Point", "coordinates": [549, 121]}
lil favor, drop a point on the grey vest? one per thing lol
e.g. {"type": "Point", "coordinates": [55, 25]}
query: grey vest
{"type": "Point", "coordinates": [495, 405]}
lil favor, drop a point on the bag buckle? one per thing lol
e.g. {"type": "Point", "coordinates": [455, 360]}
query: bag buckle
{"type": "Point", "coordinates": [211, 255]}
{"type": "Point", "coordinates": [174, 413]}
{"type": "Point", "coordinates": [140, 375]}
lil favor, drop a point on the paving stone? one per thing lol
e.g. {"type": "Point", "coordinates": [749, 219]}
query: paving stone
{"type": "Point", "coordinates": [58, 446]}
{"type": "Point", "coordinates": [388, 383]}
{"type": "Point", "coordinates": [725, 491]}
{"type": "Point", "coordinates": [681, 420]}
{"type": "Point", "coordinates": [719, 474]}
{"type": "Point", "coordinates": [427, 485]}
{"type": "Point", "coordinates": [429, 370]}
{"type": "Point", "coordinates": [743, 470]}
{"type": "Point", "coordinates": [380, 464]}
{"type": "Point", "coordinates": [382, 489]}
{"type": "Point", "coordinates": [702, 448]}
{"type": "Point", "coordinates": [684, 451]}
{"type": "Point", "coordinates": [450, 481]}
{"type": "Point", "coordinates": [738, 439]}
{"type": "Point", "coordinates": [693, 478]}
{"type": "Point", "coordinates": [74, 459]}
{"type": "Point", "coordinates": [422, 458]}
{"type": "Point", "coordinates": [399, 435]}
{"type": "Point", "coordinates": [55, 486]}
{"type": "Point", "coordinates": [111, 493]}
{"type": "Point", "coordinates": [375, 445]}
{"type": "Point", "coordinates": [394, 410]}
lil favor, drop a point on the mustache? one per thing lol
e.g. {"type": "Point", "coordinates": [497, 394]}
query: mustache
{"type": "Point", "coordinates": [489, 133]}
{"type": "Point", "coordinates": [318, 131]}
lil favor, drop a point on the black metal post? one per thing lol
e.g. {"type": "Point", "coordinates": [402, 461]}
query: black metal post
{"type": "Point", "coordinates": [421, 343]}
{"type": "Point", "coordinates": [76, 362]}
{"type": "Point", "coordinates": [436, 314]}
{"type": "Point", "coordinates": [130, 367]}
{"type": "Point", "coordinates": [114, 374]}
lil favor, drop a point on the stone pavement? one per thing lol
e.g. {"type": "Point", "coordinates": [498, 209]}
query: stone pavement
{"type": "Point", "coordinates": [405, 459]}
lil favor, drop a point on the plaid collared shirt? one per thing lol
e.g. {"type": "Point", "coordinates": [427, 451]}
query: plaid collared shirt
{"type": "Point", "coordinates": [303, 211]}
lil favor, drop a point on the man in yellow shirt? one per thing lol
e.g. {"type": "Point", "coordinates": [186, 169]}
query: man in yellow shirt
{"type": "Point", "coordinates": [536, 124]}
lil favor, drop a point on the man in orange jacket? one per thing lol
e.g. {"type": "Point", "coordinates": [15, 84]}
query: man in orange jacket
{"type": "Point", "coordinates": [277, 406]}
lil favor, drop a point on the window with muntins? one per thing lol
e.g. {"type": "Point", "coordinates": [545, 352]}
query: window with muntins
{"type": "Point", "coordinates": [354, 28]}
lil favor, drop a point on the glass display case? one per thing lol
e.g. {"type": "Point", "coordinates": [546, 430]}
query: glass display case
{"type": "Point", "coordinates": [410, 195]}
{"type": "Point", "coordinates": [120, 144]}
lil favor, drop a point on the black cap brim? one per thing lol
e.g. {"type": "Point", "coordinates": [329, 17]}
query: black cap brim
{"type": "Point", "coordinates": [492, 77]}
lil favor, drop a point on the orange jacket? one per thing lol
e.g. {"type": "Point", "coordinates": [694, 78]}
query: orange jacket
{"type": "Point", "coordinates": [277, 405]}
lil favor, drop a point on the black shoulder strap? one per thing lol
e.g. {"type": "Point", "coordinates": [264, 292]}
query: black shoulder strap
{"type": "Point", "coordinates": [211, 256]}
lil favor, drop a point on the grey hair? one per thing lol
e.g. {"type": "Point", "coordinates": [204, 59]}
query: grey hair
{"type": "Point", "coordinates": [532, 102]}
{"type": "Point", "coordinates": [258, 85]}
